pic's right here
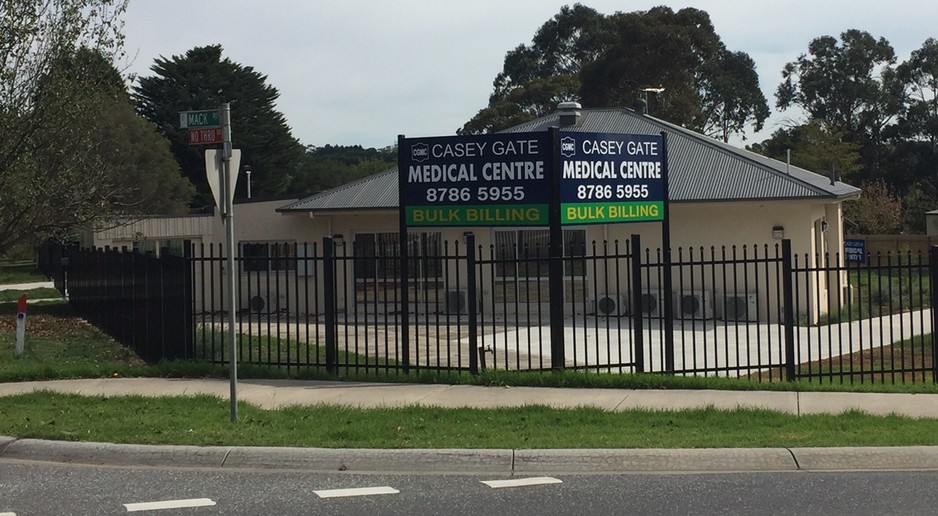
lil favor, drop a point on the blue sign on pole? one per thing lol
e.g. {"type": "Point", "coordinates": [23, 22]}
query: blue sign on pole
{"type": "Point", "coordinates": [855, 250]}
{"type": "Point", "coordinates": [481, 180]}
{"type": "Point", "coordinates": [611, 178]}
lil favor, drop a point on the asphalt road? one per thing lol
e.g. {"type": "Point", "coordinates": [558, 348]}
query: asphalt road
{"type": "Point", "coordinates": [29, 488]}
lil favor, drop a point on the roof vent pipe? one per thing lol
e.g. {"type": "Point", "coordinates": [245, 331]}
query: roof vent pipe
{"type": "Point", "coordinates": [788, 161]}
{"type": "Point", "coordinates": [640, 106]}
{"type": "Point", "coordinates": [569, 113]}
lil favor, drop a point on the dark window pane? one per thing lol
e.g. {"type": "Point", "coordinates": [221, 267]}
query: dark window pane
{"type": "Point", "coordinates": [255, 257]}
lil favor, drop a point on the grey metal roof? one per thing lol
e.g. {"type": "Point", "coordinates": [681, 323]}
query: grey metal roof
{"type": "Point", "coordinates": [378, 191]}
{"type": "Point", "coordinates": [700, 169]}
{"type": "Point", "coordinates": [703, 169]}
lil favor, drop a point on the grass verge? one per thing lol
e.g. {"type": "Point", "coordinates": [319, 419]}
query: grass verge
{"type": "Point", "coordinates": [20, 273]}
{"type": "Point", "coordinates": [8, 296]}
{"type": "Point", "coordinates": [204, 420]}
{"type": "Point", "coordinates": [59, 345]}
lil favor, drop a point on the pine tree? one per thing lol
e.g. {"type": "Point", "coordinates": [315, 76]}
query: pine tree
{"type": "Point", "coordinates": [201, 79]}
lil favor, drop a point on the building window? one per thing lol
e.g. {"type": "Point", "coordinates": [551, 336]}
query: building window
{"type": "Point", "coordinates": [268, 256]}
{"type": "Point", "coordinates": [174, 247]}
{"type": "Point", "coordinates": [377, 256]}
{"type": "Point", "coordinates": [524, 253]}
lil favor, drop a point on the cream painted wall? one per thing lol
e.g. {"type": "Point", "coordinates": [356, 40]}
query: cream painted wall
{"type": "Point", "coordinates": [194, 228]}
{"type": "Point", "coordinates": [255, 221]}
{"type": "Point", "coordinates": [747, 225]}
{"type": "Point", "coordinates": [692, 225]}
{"type": "Point", "coordinates": [729, 224]}
{"type": "Point", "coordinates": [931, 223]}
{"type": "Point", "coordinates": [258, 221]}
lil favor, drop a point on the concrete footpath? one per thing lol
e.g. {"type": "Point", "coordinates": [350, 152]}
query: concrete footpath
{"type": "Point", "coordinates": [271, 394]}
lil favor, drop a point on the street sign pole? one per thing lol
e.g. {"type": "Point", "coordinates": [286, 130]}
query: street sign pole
{"type": "Point", "coordinates": [21, 324]}
{"type": "Point", "coordinates": [228, 214]}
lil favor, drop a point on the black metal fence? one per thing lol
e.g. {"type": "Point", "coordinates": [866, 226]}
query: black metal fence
{"type": "Point", "coordinates": [142, 301]}
{"type": "Point", "coordinates": [52, 262]}
{"type": "Point", "coordinates": [756, 312]}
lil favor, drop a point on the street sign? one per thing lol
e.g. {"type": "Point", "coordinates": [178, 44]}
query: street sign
{"type": "Point", "coordinates": [855, 250]}
{"type": "Point", "coordinates": [199, 119]}
{"type": "Point", "coordinates": [213, 168]}
{"type": "Point", "coordinates": [205, 136]}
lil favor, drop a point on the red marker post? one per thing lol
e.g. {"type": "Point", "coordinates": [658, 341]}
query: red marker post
{"type": "Point", "coordinates": [20, 324]}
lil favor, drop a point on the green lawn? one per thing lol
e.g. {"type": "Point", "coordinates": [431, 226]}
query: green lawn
{"type": "Point", "coordinates": [878, 292]}
{"type": "Point", "coordinates": [60, 345]}
{"type": "Point", "coordinates": [20, 273]}
{"type": "Point", "coordinates": [8, 296]}
{"type": "Point", "coordinates": [204, 420]}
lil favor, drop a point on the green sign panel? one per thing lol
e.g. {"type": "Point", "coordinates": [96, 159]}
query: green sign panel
{"type": "Point", "coordinates": [609, 212]}
{"type": "Point", "coordinates": [478, 215]}
{"type": "Point", "coordinates": [199, 119]}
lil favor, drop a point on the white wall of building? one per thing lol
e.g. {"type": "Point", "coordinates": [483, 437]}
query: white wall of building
{"type": "Point", "coordinates": [813, 227]}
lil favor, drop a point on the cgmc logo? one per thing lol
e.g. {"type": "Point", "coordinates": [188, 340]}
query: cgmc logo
{"type": "Point", "coordinates": [567, 147]}
{"type": "Point", "coordinates": [419, 152]}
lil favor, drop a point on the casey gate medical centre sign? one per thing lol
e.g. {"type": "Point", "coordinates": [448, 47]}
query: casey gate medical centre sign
{"type": "Point", "coordinates": [609, 178]}
{"type": "Point", "coordinates": [505, 179]}
{"type": "Point", "coordinates": [484, 180]}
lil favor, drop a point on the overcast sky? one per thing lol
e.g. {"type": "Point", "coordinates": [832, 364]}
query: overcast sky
{"type": "Point", "coordinates": [363, 71]}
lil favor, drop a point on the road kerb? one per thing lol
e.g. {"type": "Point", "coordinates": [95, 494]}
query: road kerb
{"type": "Point", "coordinates": [867, 458]}
{"type": "Point", "coordinates": [115, 454]}
{"type": "Point", "coordinates": [653, 460]}
{"type": "Point", "coordinates": [372, 460]}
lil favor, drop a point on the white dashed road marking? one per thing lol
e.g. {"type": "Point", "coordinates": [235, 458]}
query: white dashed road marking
{"type": "Point", "coordinates": [168, 504]}
{"type": "Point", "coordinates": [360, 491]}
{"type": "Point", "coordinates": [7, 514]}
{"type": "Point", "coordinates": [522, 482]}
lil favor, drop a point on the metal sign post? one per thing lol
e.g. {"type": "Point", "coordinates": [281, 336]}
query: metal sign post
{"type": "Point", "coordinates": [221, 170]}
{"type": "Point", "coordinates": [228, 213]}
{"type": "Point", "coordinates": [21, 324]}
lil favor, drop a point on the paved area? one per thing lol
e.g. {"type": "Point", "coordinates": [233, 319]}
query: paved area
{"type": "Point", "coordinates": [28, 286]}
{"type": "Point", "coordinates": [279, 393]}
{"type": "Point", "coordinates": [271, 394]}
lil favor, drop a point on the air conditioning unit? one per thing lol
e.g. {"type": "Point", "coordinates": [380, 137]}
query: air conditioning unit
{"type": "Point", "coordinates": [611, 305]}
{"type": "Point", "coordinates": [263, 304]}
{"type": "Point", "coordinates": [651, 305]}
{"type": "Point", "coordinates": [741, 307]}
{"type": "Point", "coordinates": [457, 301]}
{"type": "Point", "coordinates": [695, 304]}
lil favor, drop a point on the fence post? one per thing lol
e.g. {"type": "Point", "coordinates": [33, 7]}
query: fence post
{"type": "Point", "coordinates": [473, 304]}
{"type": "Point", "coordinates": [635, 256]}
{"type": "Point", "coordinates": [190, 298]}
{"type": "Point", "coordinates": [668, 322]}
{"type": "Point", "coordinates": [933, 276]}
{"type": "Point", "coordinates": [555, 259]}
{"type": "Point", "coordinates": [788, 297]}
{"type": "Point", "coordinates": [328, 279]}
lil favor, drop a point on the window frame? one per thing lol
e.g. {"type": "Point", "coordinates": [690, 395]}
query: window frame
{"type": "Point", "coordinates": [369, 268]}
{"type": "Point", "coordinates": [283, 259]}
{"type": "Point", "coordinates": [541, 255]}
